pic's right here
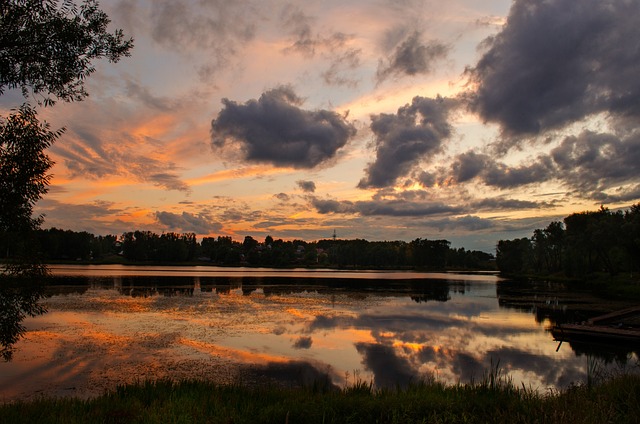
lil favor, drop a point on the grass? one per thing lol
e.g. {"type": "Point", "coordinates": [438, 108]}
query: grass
{"type": "Point", "coordinates": [493, 400]}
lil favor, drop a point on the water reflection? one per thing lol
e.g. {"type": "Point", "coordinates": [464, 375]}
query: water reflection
{"type": "Point", "coordinates": [19, 298]}
{"type": "Point", "coordinates": [295, 329]}
{"type": "Point", "coordinates": [553, 303]}
{"type": "Point", "coordinates": [419, 290]}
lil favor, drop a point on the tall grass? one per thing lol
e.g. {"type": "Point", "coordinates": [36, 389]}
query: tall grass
{"type": "Point", "coordinates": [492, 400]}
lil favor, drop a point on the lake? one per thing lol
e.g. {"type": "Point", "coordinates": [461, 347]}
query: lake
{"type": "Point", "coordinates": [114, 324]}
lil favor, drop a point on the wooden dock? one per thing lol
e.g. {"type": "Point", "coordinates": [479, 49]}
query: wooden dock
{"type": "Point", "coordinates": [607, 328]}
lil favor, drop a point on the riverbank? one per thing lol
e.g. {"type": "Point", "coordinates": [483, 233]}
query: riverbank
{"type": "Point", "coordinates": [493, 400]}
{"type": "Point", "coordinates": [619, 287]}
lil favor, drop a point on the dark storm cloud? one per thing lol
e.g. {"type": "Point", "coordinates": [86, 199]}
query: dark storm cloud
{"type": "Point", "coordinates": [596, 166]}
{"type": "Point", "coordinates": [384, 207]}
{"type": "Point", "coordinates": [402, 140]}
{"type": "Point", "coordinates": [412, 56]}
{"type": "Point", "coordinates": [558, 61]}
{"type": "Point", "coordinates": [389, 370]}
{"type": "Point", "coordinates": [275, 129]}
{"type": "Point", "coordinates": [503, 176]}
{"type": "Point", "coordinates": [187, 222]}
{"type": "Point", "coordinates": [470, 165]}
{"type": "Point", "coordinates": [593, 162]}
{"type": "Point", "coordinates": [306, 186]}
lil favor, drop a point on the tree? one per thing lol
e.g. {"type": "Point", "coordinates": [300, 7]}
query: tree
{"type": "Point", "coordinates": [513, 256]}
{"type": "Point", "coordinates": [631, 241]}
{"type": "Point", "coordinates": [593, 241]}
{"type": "Point", "coordinates": [47, 49]}
{"type": "Point", "coordinates": [23, 168]}
{"type": "Point", "coordinates": [23, 180]}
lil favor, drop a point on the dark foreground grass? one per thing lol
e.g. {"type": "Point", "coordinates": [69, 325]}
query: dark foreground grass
{"type": "Point", "coordinates": [614, 401]}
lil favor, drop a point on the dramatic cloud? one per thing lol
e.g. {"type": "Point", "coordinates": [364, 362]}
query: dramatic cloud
{"type": "Point", "coordinates": [466, 166]}
{"type": "Point", "coordinates": [470, 165]}
{"type": "Point", "coordinates": [404, 139]}
{"type": "Point", "coordinates": [592, 162]}
{"type": "Point", "coordinates": [306, 186]}
{"type": "Point", "coordinates": [275, 129]}
{"type": "Point", "coordinates": [412, 57]}
{"type": "Point", "coordinates": [559, 61]}
{"type": "Point", "coordinates": [187, 222]}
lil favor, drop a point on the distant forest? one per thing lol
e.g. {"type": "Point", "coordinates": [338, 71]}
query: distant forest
{"type": "Point", "coordinates": [148, 247]}
{"type": "Point", "coordinates": [586, 243]}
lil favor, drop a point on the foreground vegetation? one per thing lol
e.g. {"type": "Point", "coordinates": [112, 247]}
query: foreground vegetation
{"type": "Point", "coordinates": [492, 401]}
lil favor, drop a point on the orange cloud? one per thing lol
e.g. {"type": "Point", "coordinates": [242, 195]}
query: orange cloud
{"type": "Point", "coordinates": [234, 174]}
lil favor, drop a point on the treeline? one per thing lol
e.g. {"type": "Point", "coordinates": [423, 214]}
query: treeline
{"type": "Point", "coordinates": [586, 243]}
{"type": "Point", "coordinates": [145, 246]}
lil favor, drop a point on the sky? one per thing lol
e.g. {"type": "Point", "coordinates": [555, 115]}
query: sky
{"type": "Point", "coordinates": [471, 121]}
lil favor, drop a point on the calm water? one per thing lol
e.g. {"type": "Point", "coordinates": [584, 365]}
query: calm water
{"type": "Point", "coordinates": [109, 325]}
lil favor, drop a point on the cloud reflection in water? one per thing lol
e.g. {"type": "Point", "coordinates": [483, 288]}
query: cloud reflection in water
{"type": "Point", "coordinates": [292, 333]}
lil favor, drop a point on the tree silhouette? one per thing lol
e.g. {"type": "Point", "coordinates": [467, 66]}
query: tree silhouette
{"type": "Point", "coordinates": [46, 50]}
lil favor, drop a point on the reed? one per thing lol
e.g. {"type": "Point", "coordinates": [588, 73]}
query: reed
{"type": "Point", "coordinates": [493, 400]}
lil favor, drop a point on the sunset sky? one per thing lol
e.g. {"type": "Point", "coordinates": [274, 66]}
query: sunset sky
{"type": "Point", "coordinates": [467, 120]}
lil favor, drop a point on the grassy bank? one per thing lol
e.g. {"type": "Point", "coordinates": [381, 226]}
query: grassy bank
{"type": "Point", "coordinates": [615, 401]}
